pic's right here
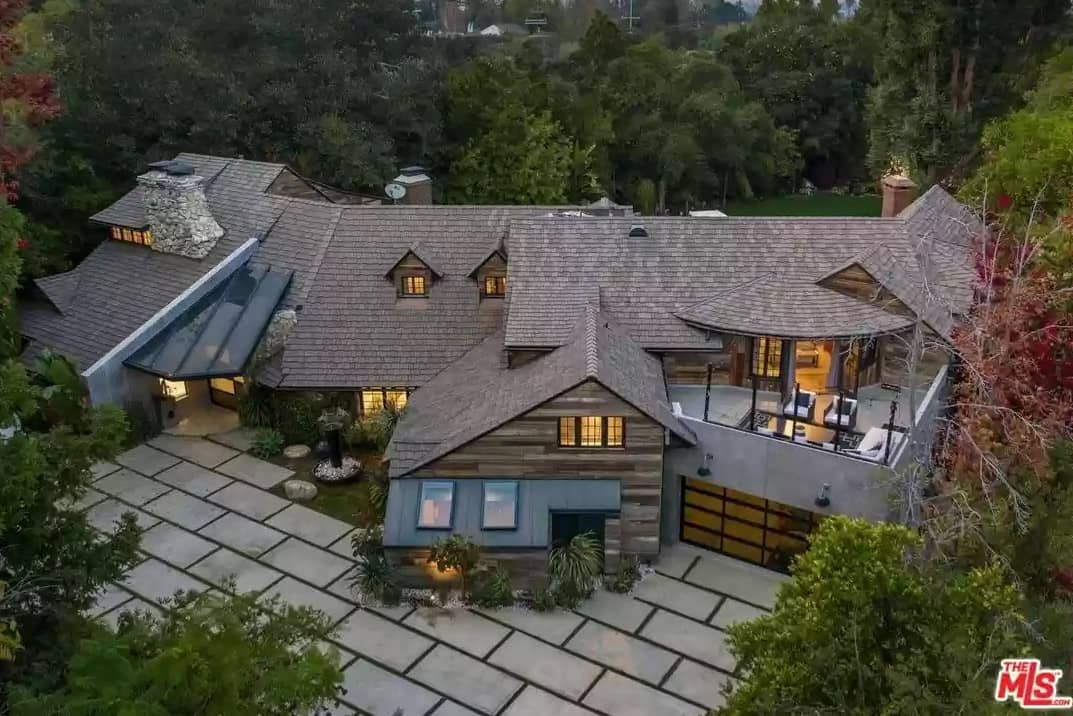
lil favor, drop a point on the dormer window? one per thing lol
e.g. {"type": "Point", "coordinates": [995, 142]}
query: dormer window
{"type": "Point", "coordinates": [414, 285]}
{"type": "Point", "coordinates": [143, 237]}
{"type": "Point", "coordinates": [494, 286]}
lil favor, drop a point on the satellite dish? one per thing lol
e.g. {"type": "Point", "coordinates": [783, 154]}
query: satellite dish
{"type": "Point", "coordinates": [395, 191]}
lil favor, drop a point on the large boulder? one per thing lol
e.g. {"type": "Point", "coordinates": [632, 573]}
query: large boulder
{"type": "Point", "coordinates": [295, 452]}
{"type": "Point", "coordinates": [300, 490]}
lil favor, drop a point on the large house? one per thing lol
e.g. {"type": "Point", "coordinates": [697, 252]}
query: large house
{"type": "Point", "coordinates": [722, 381]}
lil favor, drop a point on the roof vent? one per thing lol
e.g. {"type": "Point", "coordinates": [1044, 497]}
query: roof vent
{"type": "Point", "coordinates": [638, 231]}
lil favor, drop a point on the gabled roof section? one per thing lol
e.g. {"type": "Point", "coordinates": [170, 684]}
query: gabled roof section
{"type": "Point", "coordinates": [478, 393]}
{"type": "Point", "coordinates": [496, 250]}
{"type": "Point", "coordinates": [421, 254]}
{"type": "Point", "coordinates": [60, 289]}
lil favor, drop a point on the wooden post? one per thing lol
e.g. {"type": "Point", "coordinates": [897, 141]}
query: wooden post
{"type": "Point", "coordinates": [793, 422]}
{"type": "Point", "coordinates": [707, 392]}
{"type": "Point", "coordinates": [752, 410]}
{"type": "Point", "coordinates": [838, 417]}
{"type": "Point", "coordinates": [890, 429]}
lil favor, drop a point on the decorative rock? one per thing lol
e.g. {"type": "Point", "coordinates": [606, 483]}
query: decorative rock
{"type": "Point", "coordinates": [279, 329]}
{"type": "Point", "coordinates": [300, 489]}
{"type": "Point", "coordinates": [295, 452]}
{"type": "Point", "coordinates": [326, 473]}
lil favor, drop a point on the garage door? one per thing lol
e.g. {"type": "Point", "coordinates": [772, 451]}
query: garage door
{"type": "Point", "coordinates": [744, 526]}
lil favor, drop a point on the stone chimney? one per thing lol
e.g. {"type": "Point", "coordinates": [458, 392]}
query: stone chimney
{"type": "Point", "coordinates": [898, 192]}
{"type": "Point", "coordinates": [176, 209]}
{"type": "Point", "coordinates": [418, 185]}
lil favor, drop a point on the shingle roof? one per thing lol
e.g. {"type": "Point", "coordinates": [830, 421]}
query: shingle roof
{"type": "Point", "coordinates": [708, 271]}
{"type": "Point", "coordinates": [943, 232]}
{"type": "Point", "coordinates": [478, 393]}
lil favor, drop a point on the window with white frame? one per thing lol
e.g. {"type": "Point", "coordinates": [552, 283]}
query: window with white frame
{"type": "Point", "coordinates": [434, 512]}
{"type": "Point", "coordinates": [500, 505]}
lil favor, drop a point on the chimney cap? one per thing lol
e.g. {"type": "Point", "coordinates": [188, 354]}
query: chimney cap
{"type": "Point", "coordinates": [898, 181]}
{"type": "Point", "coordinates": [173, 167]}
{"type": "Point", "coordinates": [412, 170]}
{"type": "Point", "coordinates": [638, 231]}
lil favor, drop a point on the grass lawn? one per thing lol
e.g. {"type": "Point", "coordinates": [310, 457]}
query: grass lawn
{"type": "Point", "coordinates": [819, 204]}
{"type": "Point", "coordinates": [343, 502]}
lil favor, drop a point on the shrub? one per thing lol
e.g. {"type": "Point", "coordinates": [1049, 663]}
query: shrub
{"type": "Point", "coordinates": [267, 442]}
{"type": "Point", "coordinates": [296, 416]}
{"type": "Point", "coordinates": [377, 510]}
{"type": "Point", "coordinates": [368, 543]}
{"type": "Point", "coordinates": [376, 578]}
{"type": "Point", "coordinates": [456, 552]}
{"type": "Point", "coordinates": [542, 599]}
{"type": "Point", "coordinates": [627, 574]}
{"type": "Point", "coordinates": [255, 408]}
{"type": "Point", "coordinates": [575, 567]}
{"type": "Point", "coordinates": [490, 587]}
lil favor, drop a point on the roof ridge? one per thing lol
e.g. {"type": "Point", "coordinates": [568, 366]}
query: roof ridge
{"type": "Point", "coordinates": [592, 347]}
{"type": "Point", "coordinates": [727, 292]}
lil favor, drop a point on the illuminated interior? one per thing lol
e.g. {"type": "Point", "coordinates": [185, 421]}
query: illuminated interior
{"type": "Point", "coordinates": [591, 431]}
{"type": "Point", "coordinates": [133, 236]}
{"type": "Point", "coordinates": [174, 389]}
{"type": "Point", "coordinates": [414, 286]}
{"type": "Point", "coordinates": [436, 499]}
{"type": "Point", "coordinates": [495, 285]}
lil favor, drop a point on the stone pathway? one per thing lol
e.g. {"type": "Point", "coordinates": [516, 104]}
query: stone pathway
{"type": "Point", "coordinates": [209, 521]}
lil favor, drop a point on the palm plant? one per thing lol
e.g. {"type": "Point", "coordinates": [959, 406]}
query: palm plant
{"type": "Point", "coordinates": [575, 566]}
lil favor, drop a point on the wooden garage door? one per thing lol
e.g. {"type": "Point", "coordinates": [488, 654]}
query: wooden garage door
{"type": "Point", "coordinates": [744, 526]}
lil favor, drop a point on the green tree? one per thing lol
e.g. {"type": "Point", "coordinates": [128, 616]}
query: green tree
{"type": "Point", "coordinates": [864, 627]}
{"type": "Point", "coordinates": [210, 656]}
{"type": "Point", "coordinates": [944, 68]}
{"type": "Point", "coordinates": [52, 561]}
{"type": "Point", "coordinates": [11, 226]}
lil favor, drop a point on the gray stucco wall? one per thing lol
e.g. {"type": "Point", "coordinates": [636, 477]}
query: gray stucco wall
{"type": "Point", "coordinates": [536, 498]}
{"type": "Point", "coordinates": [110, 381]}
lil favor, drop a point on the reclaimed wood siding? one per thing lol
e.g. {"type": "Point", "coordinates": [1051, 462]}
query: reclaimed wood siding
{"type": "Point", "coordinates": [527, 447]}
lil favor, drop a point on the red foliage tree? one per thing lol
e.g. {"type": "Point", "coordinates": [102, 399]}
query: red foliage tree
{"type": "Point", "coordinates": [28, 99]}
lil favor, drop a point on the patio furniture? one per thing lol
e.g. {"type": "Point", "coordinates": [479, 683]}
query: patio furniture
{"type": "Point", "coordinates": [841, 413]}
{"type": "Point", "coordinates": [805, 409]}
{"type": "Point", "coordinates": [873, 445]}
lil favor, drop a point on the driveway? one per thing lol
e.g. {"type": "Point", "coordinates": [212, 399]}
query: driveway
{"type": "Point", "coordinates": [207, 515]}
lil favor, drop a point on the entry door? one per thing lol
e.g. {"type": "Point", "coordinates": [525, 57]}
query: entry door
{"type": "Point", "coordinates": [566, 525]}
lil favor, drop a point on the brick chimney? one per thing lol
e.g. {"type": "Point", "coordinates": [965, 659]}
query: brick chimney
{"type": "Point", "coordinates": [418, 185]}
{"type": "Point", "coordinates": [177, 211]}
{"type": "Point", "coordinates": [898, 192]}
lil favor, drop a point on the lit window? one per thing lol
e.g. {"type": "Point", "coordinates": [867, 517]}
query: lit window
{"type": "Point", "coordinates": [436, 499]}
{"type": "Point", "coordinates": [372, 401]}
{"type": "Point", "coordinates": [592, 429]}
{"type": "Point", "coordinates": [500, 506]}
{"type": "Point", "coordinates": [767, 357]}
{"type": "Point", "coordinates": [567, 434]}
{"type": "Point", "coordinates": [614, 432]}
{"type": "Point", "coordinates": [495, 285]}
{"type": "Point", "coordinates": [133, 236]}
{"type": "Point", "coordinates": [224, 385]}
{"type": "Point", "coordinates": [175, 389]}
{"type": "Point", "coordinates": [396, 398]}
{"type": "Point", "coordinates": [414, 286]}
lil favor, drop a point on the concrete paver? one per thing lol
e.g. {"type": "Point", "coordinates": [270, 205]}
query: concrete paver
{"type": "Point", "coordinates": [175, 545]}
{"type": "Point", "coordinates": [450, 708]}
{"type": "Point", "coordinates": [317, 566]}
{"type": "Point", "coordinates": [255, 471]}
{"type": "Point", "coordinates": [618, 610]}
{"type": "Point", "coordinates": [130, 487]}
{"type": "Point", "coordinates": [686, 636]}
{"type": "Point", "coordinates": [156, 581]}
{"type": "Point", "coordinates": [538, 702]}
{"type": "Point", "coordinates": [246, 574]}
{"type": "Point", "coordinates": [384, 641]}
{"type": "Point", "coordinates": [460, 628]}
{"type": "Point", "coordinates": [676, 596]}
{"type": "Point", "coordinates": [555, 627]}
{"type": "Point", "coordinates": [88, 499]}
{"type": "Point", "coordinates": [698, 683]}
{"type": "Point", "coordinates": [104, 515]}
{"type": "Point", "coordinates": [146, 460]}
{"type": "Point", "coordinates": [109, 598]}
{"type": "Point", "coordinates": [675, 560]}
{"type": "Point", "coordinates": [298, 594]}
{"type": "Point", "coordinates": [243, 534]}
{"type": "Point", "coordinates": [196, 450]}
{"type": "Point", "coordinates": [623, 652]}
{"type": "Point", "coordinates": [618, 695]}
{"type": "Point", "coordinates": [239, 438]}
{"type": "Point", "coordinates": [102, 468]}
{"type": "Point", "coordinates": [552, 668]}
{"type": "Point", "coordinates": [310, 525]}
{"type": "Point", "coordinates": [193, 479]}
{"type": "Point", "coordinates": [732, 611]}
{"type": "Point", "coordinates": [249, 500]}
{"type": "Point", "coordinates": [178, 507]}
{"type": "Point", "coordinates": [465, 679]}
{"type": "Point", "coordinates": [745, 582]}
{"type": "Point", "coordinates": [342, 546]}
{"type": "Point", "coordinates": [378, 692]}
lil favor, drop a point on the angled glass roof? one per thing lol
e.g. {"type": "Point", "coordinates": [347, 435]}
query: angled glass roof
{"type": "Point", "coordinates": [218, 334]}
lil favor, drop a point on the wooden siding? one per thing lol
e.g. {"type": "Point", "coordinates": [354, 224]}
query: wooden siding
{"type": "Point", "coordinates": [728, 365]}
{"type": "Point", "coordinates": [527, 447]}
{"type": "Point", "coordinates": [857, 283]}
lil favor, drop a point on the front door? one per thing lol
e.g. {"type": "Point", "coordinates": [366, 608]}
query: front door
{"type": "Point", "coordinates": [566, 525]}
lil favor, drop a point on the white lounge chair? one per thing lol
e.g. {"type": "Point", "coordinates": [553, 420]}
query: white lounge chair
{"type": "Point", "coordinates": [873, 445]}
{"type": "Point", "coordinates": [841, 413]}
{"type": "Point", "coordinates": [805, 408]}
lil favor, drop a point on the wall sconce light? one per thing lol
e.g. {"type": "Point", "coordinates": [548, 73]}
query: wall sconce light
{"type": "Point", "coordinates": [823, 499]}
{"type": "Point", "coordinates": [703, 470]}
